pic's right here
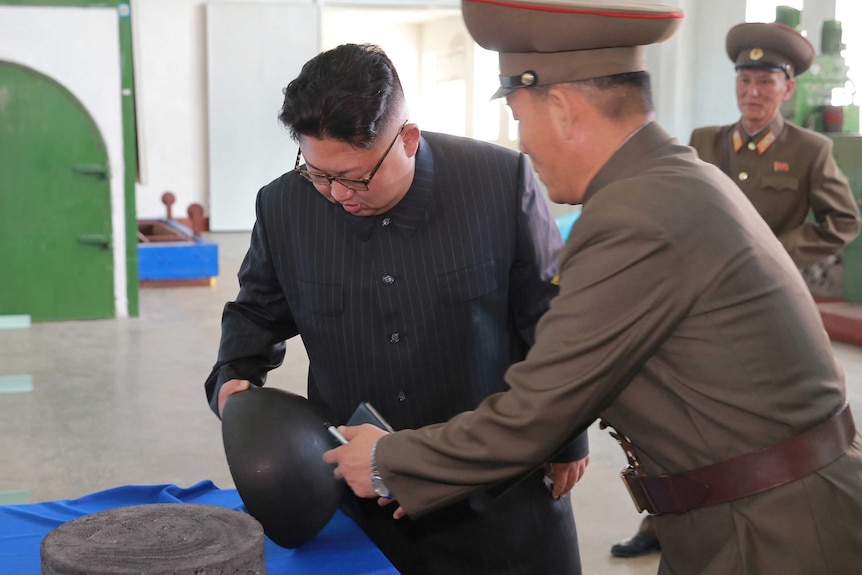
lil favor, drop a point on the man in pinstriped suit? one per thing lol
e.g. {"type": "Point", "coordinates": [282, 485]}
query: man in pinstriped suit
{"type": "Point", "coordinates": [414, 267]}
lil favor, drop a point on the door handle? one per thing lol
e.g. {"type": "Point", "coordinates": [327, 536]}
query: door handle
{"type": "Point", "coordinates": [98, 170]}
{"type": "Point", "coordinates": [99, 240]}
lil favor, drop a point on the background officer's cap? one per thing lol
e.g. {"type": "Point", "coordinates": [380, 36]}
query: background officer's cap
{"type": "Point", "coordinates": [552, 41]}
{"type": "Point", "coordinates": [770, 46]}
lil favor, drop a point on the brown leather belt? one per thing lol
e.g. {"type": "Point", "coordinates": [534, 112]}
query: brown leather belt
{"type": "Point", "coordinates": [742, 476]}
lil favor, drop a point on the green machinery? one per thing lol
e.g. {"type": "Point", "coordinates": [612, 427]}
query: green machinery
{"type": "Point", "coordinates": [817, 89]}
{"type": "Point", "coordinates": [848, 154]}
{"type": "Point", "coordinates": [822, 101]}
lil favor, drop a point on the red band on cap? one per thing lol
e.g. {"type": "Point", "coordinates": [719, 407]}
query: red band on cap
{"type": "Point", "coordinates": [576, 11]}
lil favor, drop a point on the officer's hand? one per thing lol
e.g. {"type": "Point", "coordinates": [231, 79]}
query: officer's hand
{"type": "Point", "coordinates": [399, 512]}
{"type": "Point", "coordinates": [352, 460]}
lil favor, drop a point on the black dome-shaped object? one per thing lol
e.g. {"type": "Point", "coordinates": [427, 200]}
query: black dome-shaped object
{"type": "Point", "coordinates": [274, 441]}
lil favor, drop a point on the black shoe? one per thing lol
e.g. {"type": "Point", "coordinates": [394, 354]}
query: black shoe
{"type": "Point", "coordinates": [640, 544]}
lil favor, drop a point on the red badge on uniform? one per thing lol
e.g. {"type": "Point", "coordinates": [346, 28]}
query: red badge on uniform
{"type": "Point", "coordinates": [780, 167]}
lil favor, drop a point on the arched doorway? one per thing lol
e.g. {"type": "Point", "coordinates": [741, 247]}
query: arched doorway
{"type": "Point", "coordinates": [56, 258]}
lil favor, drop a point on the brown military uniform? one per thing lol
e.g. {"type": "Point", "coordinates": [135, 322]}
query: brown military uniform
{"type": "Point", "coordinates": [682, 322]}
{"type": "Point", "coordinates": [787, 171]}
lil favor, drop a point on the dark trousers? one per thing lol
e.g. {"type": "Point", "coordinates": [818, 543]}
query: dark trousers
{"type": "Point", "coordinates": [525, 531]}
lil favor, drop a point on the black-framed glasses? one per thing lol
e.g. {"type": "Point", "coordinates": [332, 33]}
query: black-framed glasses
{"type": "Point", "coordinates": [360, 185]}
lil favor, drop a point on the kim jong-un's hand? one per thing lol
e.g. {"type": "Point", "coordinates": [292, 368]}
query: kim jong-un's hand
{"type": "Point", "coordinates": [563, 476]}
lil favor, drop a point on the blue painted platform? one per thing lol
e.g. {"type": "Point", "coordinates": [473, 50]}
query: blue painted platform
{"type": "Point", "coordinates": [195, 258]}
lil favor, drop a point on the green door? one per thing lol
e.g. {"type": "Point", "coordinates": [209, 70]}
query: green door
{"type": "Point", "coordinates": [56, 260]}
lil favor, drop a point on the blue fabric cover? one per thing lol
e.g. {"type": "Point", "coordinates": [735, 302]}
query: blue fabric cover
{"type": "Point", "coordinates": [340, 548]}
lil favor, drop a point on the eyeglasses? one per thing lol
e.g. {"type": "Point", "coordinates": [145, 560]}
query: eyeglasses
{"type": "Point", "coordinates": [360, 185]}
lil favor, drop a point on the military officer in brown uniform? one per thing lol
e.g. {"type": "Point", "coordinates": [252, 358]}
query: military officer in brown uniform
{"type": "Point", "coordinates": [786, 171]}
{"type": "Point", "coordinates": [681, 322]}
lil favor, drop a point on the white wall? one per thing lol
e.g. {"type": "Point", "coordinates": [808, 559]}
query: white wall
{"type": "Point", "coordinates": [253, 50]}
{"type": "Point", "coordinates": [170, 80]}
{"type": "Point", "coordinates": [714, 97]}
{"type": "Point", "coordinates": [170, 85]}
{"type": "Point", "coordinates": [692, 77]}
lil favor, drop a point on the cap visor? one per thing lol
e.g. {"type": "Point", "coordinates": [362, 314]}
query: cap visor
{"type": "Point", "coordinates": [763, 66]}
{"type": "Point", "coordinates": [501, 92]}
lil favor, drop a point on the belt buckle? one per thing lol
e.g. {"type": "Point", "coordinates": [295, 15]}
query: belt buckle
{"type": "Point", "coordinates": [629, 476]}
{"type": "Point", "coordinates": [631, 473]}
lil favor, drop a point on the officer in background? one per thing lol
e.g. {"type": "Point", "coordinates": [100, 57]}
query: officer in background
{"type": "Point", "coordinates": [785, 170]}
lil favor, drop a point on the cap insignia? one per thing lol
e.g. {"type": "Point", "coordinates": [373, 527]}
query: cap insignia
{"type": "Point", "coordinates": [525, 80]}
{"type": "Point", "coordinates": [755, 54]}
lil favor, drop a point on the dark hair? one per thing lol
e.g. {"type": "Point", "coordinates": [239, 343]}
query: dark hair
{"type": "Point", "coordinates": [617, 96]}
{"type": "Point", "coordinates": [349, 93]}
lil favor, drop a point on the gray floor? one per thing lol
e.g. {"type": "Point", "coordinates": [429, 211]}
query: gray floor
{"type": "Point", "coordinates": [121, 402]}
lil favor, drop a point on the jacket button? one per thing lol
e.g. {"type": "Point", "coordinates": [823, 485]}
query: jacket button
{"type": "Point", "coordinates": [388, 280]}
{"type": "Point", "coordinates": [395, 338]}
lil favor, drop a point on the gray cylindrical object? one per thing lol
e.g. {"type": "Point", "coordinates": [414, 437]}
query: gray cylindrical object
{"type": "Point", "coordinates": [157, 539]}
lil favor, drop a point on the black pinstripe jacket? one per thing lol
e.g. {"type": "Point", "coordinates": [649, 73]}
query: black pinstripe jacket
{"type": "Point", "coordinates": [418, 311]}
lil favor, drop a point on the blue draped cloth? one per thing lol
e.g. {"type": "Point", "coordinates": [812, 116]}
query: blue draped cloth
{"type": "Point", "coordinates": [340, 548]}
